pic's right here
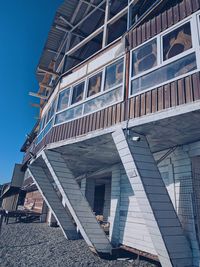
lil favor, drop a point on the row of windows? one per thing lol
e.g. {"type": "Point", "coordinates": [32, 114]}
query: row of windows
{"type": "Point", "coordinates": [164, 58]}
{"type": "Point", "coordinates": [94, 93]}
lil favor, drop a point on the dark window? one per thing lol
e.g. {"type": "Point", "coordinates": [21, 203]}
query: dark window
{"type": "Point", "coordinates": [63, 100]}
{"type": "Point", "coordinates": [94, 84]}
{"type": "Point", "coordinates": [177, 41]}
{"type": "Point", "coordinates": [114, 74]}
{"type": "Point", "coordinates": [168, 72]}
{"type": "Point", "coordinates": [78, 91]}
{"type": "Point", "coordinates": [144, 58]}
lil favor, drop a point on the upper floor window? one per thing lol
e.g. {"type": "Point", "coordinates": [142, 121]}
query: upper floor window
{"type": "Point", "coordinates": [114, 75]}
{"type": "Point", "coordinates": [144, 58]}
{"type": "Point", "coordinates": [103, 89]}
{"type": "Point", "coordinates": [163, 59]}
{"type": "Point", "coordinates": [177, 41]}
{"type": "Point", "coordinates": [94, 84]}
{"type": "Point", "coordinates": [77, 94]}
{"type": "Point", "coordinates": [63, 100]}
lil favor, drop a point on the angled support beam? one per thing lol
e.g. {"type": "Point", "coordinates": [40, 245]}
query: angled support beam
{"type": "Point", "coordinates": [92, 5]}
{"type": "Point", "coordinates": [76, 203]}
{"type": "Point", "coordinates": [153, 199]}
{"type": "Point", "coordinates": [52, 200]}
{"type": "Point", "coordinates": [38, 95]}
{"type": "Point", "coordinates": [48, 71]}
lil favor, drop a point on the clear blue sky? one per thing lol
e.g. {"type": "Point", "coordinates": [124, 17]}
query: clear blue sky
{"type": "Point", "coordinates": [24, 25]}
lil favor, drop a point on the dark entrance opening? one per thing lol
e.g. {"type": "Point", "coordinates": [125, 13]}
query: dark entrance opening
{"type": "Point", "coordinates": [99, 197]}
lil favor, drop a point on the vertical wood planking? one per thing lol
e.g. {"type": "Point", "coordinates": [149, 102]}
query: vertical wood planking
{"type": "Point", "coordinates": [181, 92]}
{"type": "Point", "coordinates": [196, 86]}
{"type": "Point", "coordinates": [174, 96]}
{"type": "Point", "coordinates": [188, 90]}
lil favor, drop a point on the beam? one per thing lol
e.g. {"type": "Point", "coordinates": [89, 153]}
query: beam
{"type": "Point", "coordinates": [43, 85]}
{"type": "Point", "coordinates": [48, 71]}
{"type": "Point", "coordinates": [92, 5]}
{"type": "Point", "coordinates": [38, 95]}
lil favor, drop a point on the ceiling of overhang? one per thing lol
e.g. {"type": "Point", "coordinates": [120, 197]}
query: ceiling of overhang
{"type": "Point", "coordinates": [68, 15]}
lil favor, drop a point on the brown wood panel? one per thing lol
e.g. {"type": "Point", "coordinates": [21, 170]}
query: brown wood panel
{"type": "Point", "coordinates": [195, 5]}
{"type": "Point", "coordinates": [170, 17]}
{"type": "Point", "coordinates": [137, 106]}
{"type": "Point", "coordinates": [102, 119]}
{"type": "Point", "coordinates": [134, 38]}
{"type": "Point", "coordinates": [114, 114]}
{"type": "Point", "coordinates": [174, 94]}
{"type": "Point", "coordinates": [181, 92]}
{"type": "Point", "coordinates": [139, 35]}
{"type": "Point", "coordinates": [176, 15]}
{"type": "Point", "coordinates": [158, 24]}
{"type": "Point", "coordinates": [132, 108]}
{"type": "Point", "coordinates": [196, 86]}
{"type": "Point", "coordinates": [154, 100]}
{"type": "Point", "coordinates": [148, 102]}
{"type": "Point", "coordinates": [123, 111]}
{"type": "Point", "coordinates": [160, 98]}
{"type": "Point", "coordinates": [153, 27]}
{"type": "Point", "coordinates": [188, 89]}
{"type": "Point", "coordinates": [188, 5]}
{"type": "Point", "coordinates": [164, 20]}
{"type": "Point", "coordinates": [182, 10]}
{"type": "Point", "coordinates": [98, 120]}
{"type": "Point", "coordinates": [143, 104]}
{"type": "Point", "coordinates": [167, 95]}
{"type": "Point", "coordinates": [144, 33]}
{"type": "Point", "coordinates": [118, 113]}
{"type": "Point", "coordinates": [87, 124]}
{"type": "Point", "coordinates": [148, 29]}
{"type": "Point", "coordinates": [110, 123]}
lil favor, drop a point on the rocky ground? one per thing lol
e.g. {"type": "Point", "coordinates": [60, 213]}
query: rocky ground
{"type": "Point", "coordinates": [38, 245]}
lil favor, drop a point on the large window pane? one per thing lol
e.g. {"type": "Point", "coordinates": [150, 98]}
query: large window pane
{"type": "Point", "coordinates": [78, 91]}
{"type": "Point", "coordinates": [177, 41]}
{"type": "Point", "coordinates": [104, 100]}
{"type": "Point", "coordinates": [69, 114]}
{"type": "Point", "coordinates": [94, 84]}
{"type": "Point", "coordinates": [114, 74]}
{"type": "Point", "coordinates": [63, 100]}
{"type": "Point", "coordinates": [144, 58]}
{"type": "Point", "coordinates": [168, 72]}
{"type": "Point", "coordinates": [51, 110]}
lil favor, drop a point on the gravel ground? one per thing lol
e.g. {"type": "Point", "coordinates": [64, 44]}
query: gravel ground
{"type": "Point", "coordinates": [38, 245]}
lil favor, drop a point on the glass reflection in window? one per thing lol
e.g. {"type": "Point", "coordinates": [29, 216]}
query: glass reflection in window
{"type": "Point", "coordinates": [63, 100]}
{"type": "Point", "coordinates": [78, 91]}
{"type": "Point", "coordinates": [144, 58]}
{"type": "Point", "coordinates": [114, 74]}
{"type": "Point", "coordinates": [168, 72]}
{"type": "Point", "coordinates": [94, 85]}
{"type": "Point", "coordinates": [177, 41]}
{"type": "Point", "coordinates": [104, 100]}
{"type": "Point", "coordinates": [51, 110]}
{"type": "Point", "coordinates": [69, 114]}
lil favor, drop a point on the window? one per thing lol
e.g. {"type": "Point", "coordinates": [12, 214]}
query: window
{"type": "Point", "coordinates": [144, 58]}
{"type": "Point", "coordinates": [103, 100]}
{"type": "Point", "coordinates": [98, 91]}
{"type": "Point", "coordinates": [114, 75]}
{"type": "Point", "coordinates": [168, 72]}
{"type": "Point", "coordinates": [69, 114]}
{"type": "Point", "coordinates": [164, 58]}
{"type": "Point", "coordinates": [94, 84]}
{"type": "Point", "coordinates": [78, 91]}
{"type": "Point", "coordinates": [63, 100]}
{"type": "Point", "coordinates": [177, 41]}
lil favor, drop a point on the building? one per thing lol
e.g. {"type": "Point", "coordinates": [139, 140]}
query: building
{"type": "Point", "coordinates": [119, 136]}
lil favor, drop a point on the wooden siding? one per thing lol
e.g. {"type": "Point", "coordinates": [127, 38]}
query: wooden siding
{"type": "Point", "coordinates": [162, 22]}
{"type": "Point", "coordinates": [34, 201]}
{"type": "Point", "coordinates": [176, 93]}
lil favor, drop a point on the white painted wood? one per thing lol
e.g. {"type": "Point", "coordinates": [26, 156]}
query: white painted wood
{"type": "Point", "coordinates": [136, 172]}
{"type": "Point", "coordinates": [77, 203]}
{"type": "Point", "coordinates": [53, 202]}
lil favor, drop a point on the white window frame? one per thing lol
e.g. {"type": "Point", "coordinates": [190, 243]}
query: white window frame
{"type": "Point", "coordinates": [160, 62]}
{"type": "Point", "coordinates": [102, 92]}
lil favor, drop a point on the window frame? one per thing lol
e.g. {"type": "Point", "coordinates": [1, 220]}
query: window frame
{"type": "Point", "coordinates": [102, 92]}
{"type": "Point", "coordinates": [160, 62]}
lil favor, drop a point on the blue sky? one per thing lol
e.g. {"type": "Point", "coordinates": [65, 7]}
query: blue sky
{"type": "Point", "coordinates": [24, 28]}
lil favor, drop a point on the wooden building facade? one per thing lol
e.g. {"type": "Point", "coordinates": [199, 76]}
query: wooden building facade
{"type": "Point", "coordinates": [117, 145]}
